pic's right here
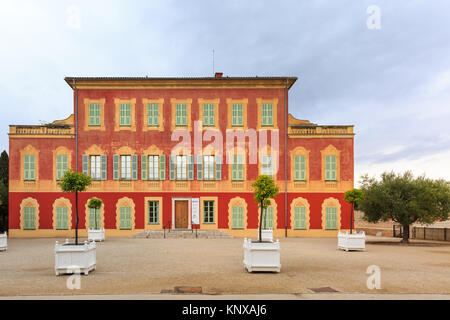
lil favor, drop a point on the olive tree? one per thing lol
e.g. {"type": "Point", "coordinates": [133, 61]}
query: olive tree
{"type": "Point", "coordinates": [405, 199]}
{"type": "Point", "coordinates": [265, 189]}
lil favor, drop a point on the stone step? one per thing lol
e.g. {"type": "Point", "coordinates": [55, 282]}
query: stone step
{"type": "Point", "coordinates": [182, 234]}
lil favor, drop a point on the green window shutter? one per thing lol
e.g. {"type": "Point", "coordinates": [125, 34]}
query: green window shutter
{"type": "Point", "coordinates": [143, 167]}
{"type": "Point", "coordinates": [331, 218]}
{"type": "Point", "coordinates": [205, 114]}
{"type": "Point", "coordinates": [116, 167]}
{"type": "Point", "coordinates": [199, 167]}
{"type": "Point", "coordinates": [162, 167]}
{"type": "Point", "coordinates": [26, 167]}
{"type": "Point", "coordinates": [211, 114]}
{"type": "Point", "coordinates": [181, 114]}
{"type": "Point", "coordinates": [62, 218]}
{"type": "Point", "coordinates": [155, 114]}
{"type": "Point", "coordinates": [333, 168]}
{"type": "Point", "coordinates": [330, 167]}
{"type": "Point", "coordinates": [94, 114]}
{"type": "Point", "coordinates": [61, 165]}
{"type": "Point", "coordinates": [32, 167]}
{"type": "Point", "coordinates": [125, 218]}
{"type": "Point", "coordinates": [237, 114]}
{"type": "Point", "coordinates": [218, 167]}
{"type": "Point", "coordinates": [270, 217]}
{"type": "Point", "coordinates": [172, 167]}
{"type": "Point", "coordinates": [267, 114]}
{"type": "Point", "coordinates": [58, 218]}
{"type": "Point", "coordinates": [85, 160]}
{"type": "Point", "coordinates": [134, 167]}
{"type": "Point", "coordinates": [65, 218]}
{"type": "Point", "coordinates": [152, 114]}
{"type": "Point", "coordinates": [190, 165]}
{"type": "Point", "coordinates": [177, 115]}
{"type": "Point", "coordinates": [104, 167]}
{"type": "Point", "coordinates": [234, 218]}
{"type": "Point", "coordinates": [237, 217]}
{"type": "Point", "coordinates": [241, 217]}
{"type": "Point", "coordinates": [122, 217]}
{"type": "Point", "coordinates": [125, 114]}
{"type": "Point", "coordinates": [91, 218]}
{"type": "Point", "coordinates": [300, 218]}
{"type": "Point", "coordinates": [299, 168]}
{"type": "Point", "coordinates": [234, 168]}
{"type": "Point", "coordinates": [29, 218]}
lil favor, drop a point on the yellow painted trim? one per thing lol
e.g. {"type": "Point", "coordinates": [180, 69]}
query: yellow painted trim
{"type": "Point", "coordinates": [29, 202]}
{"type": "Point", "coordinates": [300, 202]}
{"type": "Point", "coordinates": [87, 127]}
{"type": "Point", "coordinates": [274, 102]}
{"type": "Point", "coordinates": [145, 126]}
{"type": "Point", "coordinates": [209, 226]}
{"type": "Point", "coordinates": [62, 202]}
{"type": "Point", "coordinates": [117, 126]}
{"type": "Point", "coordinates": [147, 225]}
{"type": "Point", "coordinates": [173, 103]}
{"type": "Point", "coordinates": [101, 212]}
{"type": "Point", "coordinates": [125, 202]}
{"type": "Point", "coordinates": [236, 202]}
{"type": "Point", "coordinates": [216, 103]}
{"type": "Point", "coordinates": [153, 150]}
{"type": "Point", "coordinates": [331, 202]}
{"type": "Point", "coordinates": [230, 103]}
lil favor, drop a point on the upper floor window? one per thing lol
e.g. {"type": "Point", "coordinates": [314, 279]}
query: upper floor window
{"type": "Point", "coordinates": [125, 114]}
{"type": "Point", "coordinates": [153, 167]}
{"type": "Point", "coordinates": [330, 167]}
{"type": "Point", "coordinates": [237, 114]}
{"type": "Point", "coordinates": [208, 167]}
{"type": "Point", "coordinates": [300, 167]}
{"type": "Point", "coordinates": [267, 165]}
{"type": "Point", "coordinates": [237, 168]}
{"type": "Point", "coordinates": [208, 114]}
{"type": "Point", "coordinates": [94, 114]}
{"type": "Point", "coordinates": [125, 167]}
{"type": "Point", "coordinates": [61, 165]}
{"type": "Point", "coordinates": [153, 114]}
{"type": "Point", "coordinates": [29, 167]}
{"type": "Point", "coordinates": [181, 167]}
{"type": "Point", "coordinates": [95, 166]}
{"type": "Point", "coordinates": [267, 114]}
{"type": "Point", "coordinates": [181, 114]}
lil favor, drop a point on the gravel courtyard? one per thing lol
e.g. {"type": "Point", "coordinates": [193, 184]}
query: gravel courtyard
{"type": "Point", "coordinates": [139, 266]}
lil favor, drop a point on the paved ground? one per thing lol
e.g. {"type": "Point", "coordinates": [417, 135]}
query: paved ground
{"type": "Point", "coordinates": [144, 267]}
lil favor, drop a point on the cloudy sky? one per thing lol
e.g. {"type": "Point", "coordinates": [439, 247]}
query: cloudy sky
{"type": "Point", "coordinates": [391, 82]}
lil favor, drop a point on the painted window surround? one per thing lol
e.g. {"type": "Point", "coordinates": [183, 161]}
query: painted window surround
{"type": "Point", "coordinates": [145, 126]}
{"type": "Point", "coordinates": [259, 103]}
{"type": "Point", "coordinates": [86, 126]}
{"type": "Point", "coordinates": [329, 151]}
{"type": "Point", "coordinates": [117, 126]}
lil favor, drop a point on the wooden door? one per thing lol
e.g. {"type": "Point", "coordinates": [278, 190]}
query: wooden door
{"type": "Point", "coordinates": [181, 214]}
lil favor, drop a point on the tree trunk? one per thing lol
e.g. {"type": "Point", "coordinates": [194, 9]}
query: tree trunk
{"type": "Point", "coordinates": [260, 221]}
{"type": "Point", "coordinates": [76, 217]}
{"type": "Point", "coordinates": [405, 234]}
{"type": "Point", "coordinates": [351, 219]}
{"type": "Point", "coordinates": [95, 215]}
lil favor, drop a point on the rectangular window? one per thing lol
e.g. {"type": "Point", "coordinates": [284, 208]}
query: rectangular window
{"type": "Point", "coordinates": [62, 221]}
{"type": "Point", "coordinates": [94, 114]}
{"type": "Point", "coordinates": [125, 218]}
{"type": "Point", "coordinates": [61, 165]}
{"type": "Point", "coordinates": [237, 114]}
{"type": "Point", "coordinates": [237, 168]}
{"type": "Point", "coordinates": [29, 167]}
{"type": "Point", "coordinates": [208, 114]}
{"type": "Point", "coordinates": [330, 168]}
{"type": "Point", "coordinates": [331, 218]}
{"type": "Point", "coordinates": [268, 218]}
{"type": "Point", "coordinates": [125, 114]}
{"type": "Point", "coordinates": [208, 167]}
{"type": "Point", "coordinates": [267, 165]}
{"type": "Point", "coordinates": [125, 167]}
{"type": "Point", "coordinates": [29, 218]}
{"type": "Point", "coordinates": [181, 168]}
{"type": "Point", "coordinates": [152, 114]}
{"type": "Point", "coordinates": [181, 114]}
{"type": "Point", "coordinates": [95, 167]}
{"type": "Point", "coordinates": [237, 217]}
{"type": "Point", "coordinates": [153, 167]}
{"type": "Point", "coordinates": [94, 219]}
{"type": "Point", "coordinates": [267, 114]}
{"type": "Point", "coordinates": [300, 168]}
{"type": "Point", "coordinates": [300, 218]}
{"type": "Point", "coordinates": [208, 211]}
{"type": "Point", "coordinates": [153, 212]}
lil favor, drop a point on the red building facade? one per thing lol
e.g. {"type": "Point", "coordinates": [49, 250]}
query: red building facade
{"type": "Point", "coordinates": [158, 148]}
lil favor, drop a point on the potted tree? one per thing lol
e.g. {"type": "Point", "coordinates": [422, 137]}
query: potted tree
{"type": "Point", "coordinates": [352, 241]}
{"type": "Point", "coordinates": [3, 239]}
{"type": "Point", "coordinates": [95, 233]}
{"type": "Point", "coordinates": [75, 257]}
{"type": "Point", "coordinates": [263, 254]}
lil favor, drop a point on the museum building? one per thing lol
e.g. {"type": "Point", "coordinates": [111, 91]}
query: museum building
{"type": "Point", "coordinates": [152, 148]}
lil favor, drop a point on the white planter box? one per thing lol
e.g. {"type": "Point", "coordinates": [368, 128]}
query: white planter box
{"type": "Point", "coordinates": [3, 241]}
{"type": "Point", "coordinates": [262, 256]}
{"type": "Point", "coordinates": [354, 241]}
{"type": "Point", "coordinates": [96, 235]}
{"type": "Point", "coordinates": [71, 258]}
{"type": "Point", "coordinates": [266, 235]}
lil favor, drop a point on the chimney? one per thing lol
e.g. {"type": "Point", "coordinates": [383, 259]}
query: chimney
{"type": "Point", "coordinates": [218, 75]}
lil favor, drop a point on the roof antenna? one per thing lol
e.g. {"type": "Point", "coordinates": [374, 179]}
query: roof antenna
{"type": "Point", "coordinates": [213, 62]}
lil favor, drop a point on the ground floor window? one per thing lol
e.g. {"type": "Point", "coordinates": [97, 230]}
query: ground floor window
{"type": "Point", "coordinates": [237, 218]}
{"type": "Point", "coordinates": [125, 218]}
{"type": "Point", "coordinates": [208, 211]}
{"type": "Point", "coordinates": [94, 218]}
{"type": "Point", "coordinates": [29, 218]}
{"type": "Point", "coordinates": [300, 218]}
{"type": "Point", "coordinates": [62, 218]}
{"type": "Point", "coordinates": [153, 212]}
{"type": "Point", "coordinates": [331, 218]}
{"type": "Point", "coordinates": [267, 218]}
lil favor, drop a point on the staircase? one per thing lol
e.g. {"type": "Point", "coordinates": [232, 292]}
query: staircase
{"type": "Point", "coordinates": [182, 234]}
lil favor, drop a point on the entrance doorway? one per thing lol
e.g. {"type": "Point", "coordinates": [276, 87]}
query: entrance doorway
{"type": "Point", "coordinates": [181, 214]}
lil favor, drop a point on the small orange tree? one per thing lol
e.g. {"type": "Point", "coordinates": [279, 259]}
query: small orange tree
{"type": "Point", "coordinates": [265, 189]}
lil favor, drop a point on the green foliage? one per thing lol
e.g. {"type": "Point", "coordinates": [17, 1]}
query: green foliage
{"type": "Point", "coordinates": [94, 203]}
{"type": "Point", "coordinates": [405, 199]}
{"type": "Point", "coordinates": [4, 182]}
{"type": "Point", "coordinates": [354, 196]}
{"type": "Point", "coordinates": [74, 181]}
